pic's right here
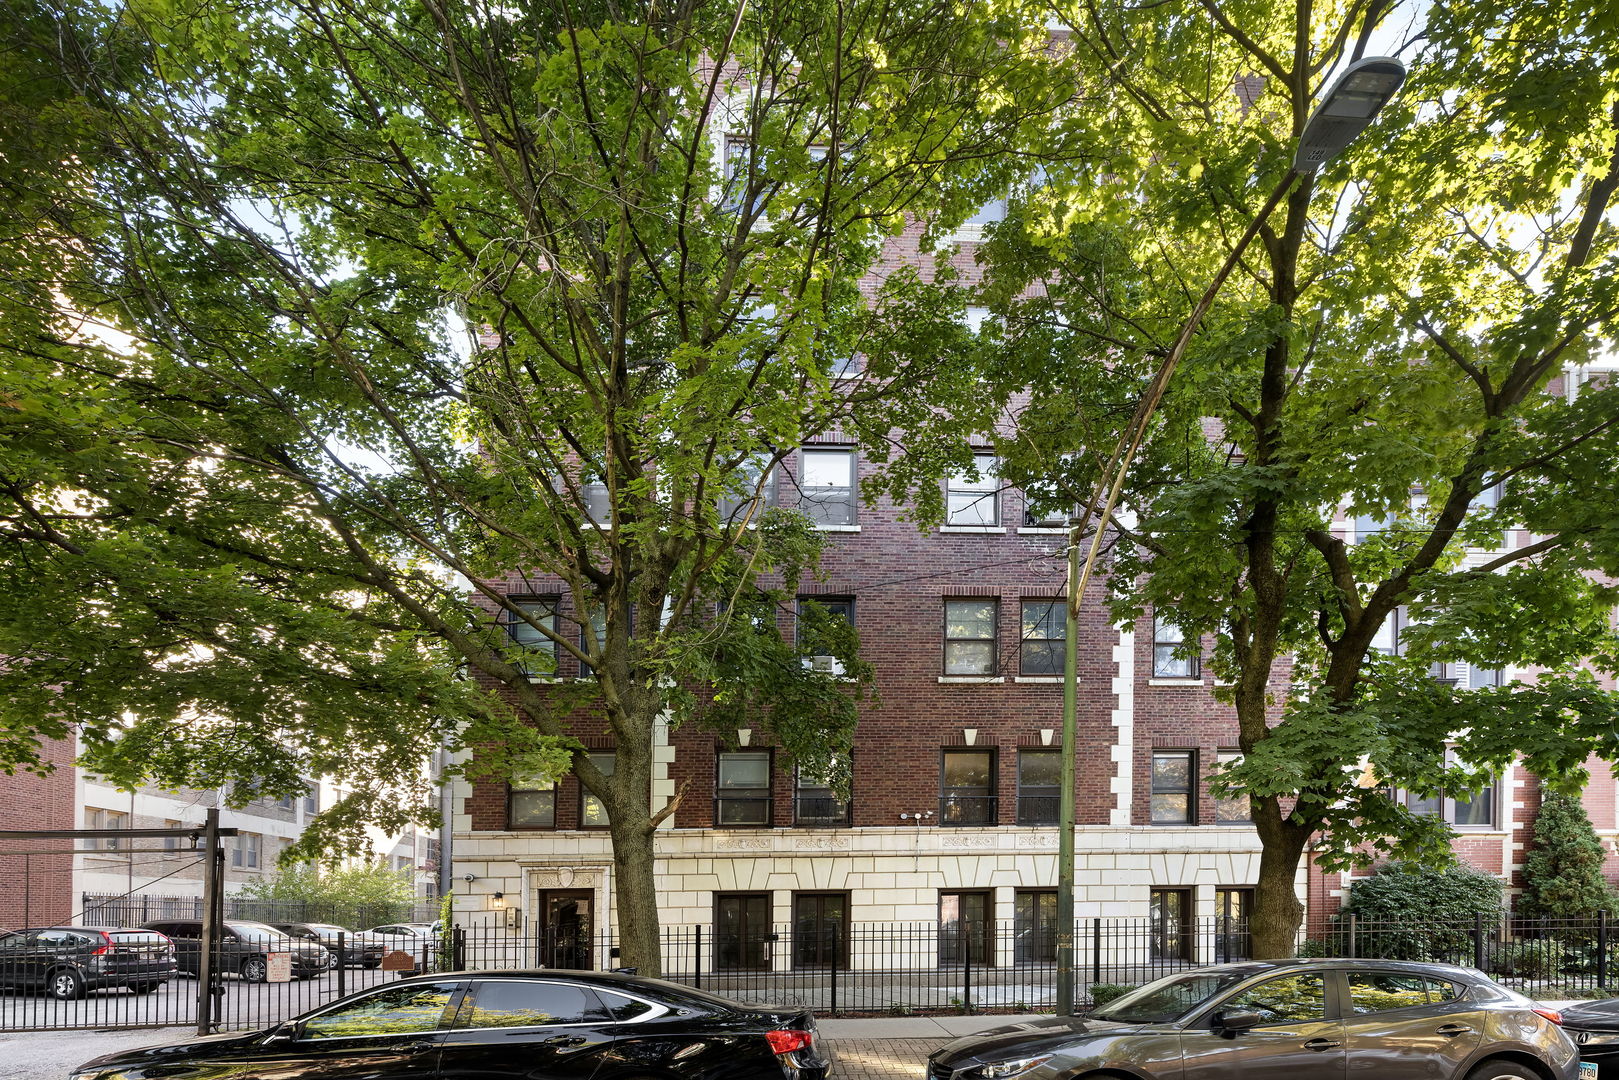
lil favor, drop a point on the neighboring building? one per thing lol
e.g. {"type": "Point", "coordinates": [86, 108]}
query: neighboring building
{"type": "Point", "coordinates": [37, 887]}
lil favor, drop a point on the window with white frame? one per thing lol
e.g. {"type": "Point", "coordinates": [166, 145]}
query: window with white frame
{"type": "Point", "coordinates": [1171, 655]}
{"type": "Point", "coordinates": [105, 819]}
{"type": "Point", "coordinates": [972, 495]}
{"type": "Point", "coordinates": [245, 850]}
{"type": "Point", "coordinates": [969, 637]}
{"type": "Point", "coordinates": [826, 485]}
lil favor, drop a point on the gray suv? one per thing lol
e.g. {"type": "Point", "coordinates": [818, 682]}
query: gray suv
{"type": "Point", "coordinates": [244, 948]}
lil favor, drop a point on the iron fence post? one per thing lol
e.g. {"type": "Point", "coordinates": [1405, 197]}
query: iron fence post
{"type": "Point", "coordinates": [1352, 942]}
{"type": "Point", "coordinates": [966, 965]}
{"type": "Point", "coordinates": [1096, 949]}
{"type": "Point", "coordinates": [1602, 949]}
{"type": "Point", "coordinates": [697, 956]}
{"type": "Point", "coordinates": [1478, 940]}
{"type": "Point", "coordinates": [342, 963]}
{"type": "Point", "coordinates": [837, 950]}
{"type": "Point", "coordinates": [458, 946]}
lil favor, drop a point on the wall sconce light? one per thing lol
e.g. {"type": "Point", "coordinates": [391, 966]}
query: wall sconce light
{"type": "Point", "coordinates": [497, 902]}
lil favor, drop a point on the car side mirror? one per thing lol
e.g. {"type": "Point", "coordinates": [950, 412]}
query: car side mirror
{"type": "Point", "coordinates": [1236, 1021]}
{"type": "Point", "coordinates": [281, 1033]}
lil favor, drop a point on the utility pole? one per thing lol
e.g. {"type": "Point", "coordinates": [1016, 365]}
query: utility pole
{"type": "Point", "coordinates": [210, 987]}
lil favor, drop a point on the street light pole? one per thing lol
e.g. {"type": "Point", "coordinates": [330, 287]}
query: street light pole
{"type": "Point", "coordinates": [1353, 102]}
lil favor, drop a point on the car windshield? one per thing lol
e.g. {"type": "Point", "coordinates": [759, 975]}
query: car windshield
{"type": "Point", "coordinates": [253, 931]}
{"type": "Point", "coordinates": [327, 928]}
{"type": "Point", "coordinates": [1170, 998]}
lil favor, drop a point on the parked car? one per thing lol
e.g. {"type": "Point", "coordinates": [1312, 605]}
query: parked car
{"type": "Point", "coordinates": [1277, 1020]}
{"type": "Point", "coordinates": [360, 949]}
{"type": "Point", "coordinates": [503, 1024]}
{"type": "Point", "coordinates": [1594, 1027]}
{"type": "Point", "coordinates": [418, 939]}
{"type": "Point", "coordinates": [69, 961]}
{"type": "Point", "coordinates": [244, 948]}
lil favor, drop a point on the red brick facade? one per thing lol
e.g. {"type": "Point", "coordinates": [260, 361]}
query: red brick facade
{"type": "Point", "coordinates": [38, 889]}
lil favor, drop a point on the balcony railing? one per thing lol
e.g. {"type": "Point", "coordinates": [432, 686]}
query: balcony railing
{"type": "Point", "coordinates": [969, 810]}
{"type": "Point", "coordinates": [820, 810]}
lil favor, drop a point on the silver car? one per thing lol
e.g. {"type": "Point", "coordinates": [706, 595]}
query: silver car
{"type": "Point", "coordinates": [1286, 1020]}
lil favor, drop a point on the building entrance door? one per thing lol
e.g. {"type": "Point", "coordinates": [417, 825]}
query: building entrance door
{"type": "Point", "coordinates": [566, 927]}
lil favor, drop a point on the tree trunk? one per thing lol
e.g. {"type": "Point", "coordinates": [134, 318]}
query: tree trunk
{"type": "Point", "coordinates": [1278, 912]}
{"type": "Point", "coordinates": [635, 893]}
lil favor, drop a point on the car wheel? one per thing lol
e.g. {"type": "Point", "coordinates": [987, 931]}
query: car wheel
{"type": "Point", "coordinates": [1504, 1070]}
{"type": "Point", "coordinates": [143, 988]}
{"type": "Point", "coordinates": [254, 969]}
{"type": "Point", "coordinates": [65, 985]}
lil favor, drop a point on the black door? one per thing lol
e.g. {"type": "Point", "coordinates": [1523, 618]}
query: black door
{"type": "Point", "coordinates": [742, 931]}
{"type": "Point", "coordinates": [509, 1029]}
{"type": "Point", "coordinates": [820, 930]}
{"type": "Point", "coordinates": [566, 928]}
{"type": "Point", "coordinates": [393, 1033]}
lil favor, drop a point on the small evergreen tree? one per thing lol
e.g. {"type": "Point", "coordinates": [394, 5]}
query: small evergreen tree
{"type": "Point", "coordinates": [1563, 873]}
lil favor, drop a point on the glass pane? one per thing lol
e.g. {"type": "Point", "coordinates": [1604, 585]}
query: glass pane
{"type": "Point", "coordinates": [1379, 991]}
{"type": "Point", "coordinates": [969, 619]}
{"type": "Point", "coordinates": [1045, 619]}
{"type": "Point", "coordinates": [1172, 772]}
{"type": "Point", "coordinates": [1170, 809]}
{"type": "Point", "coordinates": [1479, 810]}
{"type": "Point", "coordinates": [1040, 768]}
{"type": "Point", "coordinates": [969, 658]}
{"type": "Point", "coordinates": [828, 468]}
{"type": "Point", "coordinates": [967, 769]}
{"type": "Point", "coordinates": [971, 509]}
{"type": "Point", "coordinates": [1166, 664]}
{"type": "Point", "coordinates": [500, 1003]}
{"type": "Point", "coordinates": [745, 770]}
{"type": "Point", "coordinates": [828, 506]}
{"type": "Point", "coordinates": [592, 814]}
{"type": "Point", "coordinates": [1167, 633]}
{"type": "Point", "coordinates": [397, 1010]}
{"type": "Point", "coordinates": [1043, 658]}
{"type": "Point", "coordinates": [1290, 999]}
{"type": "Point", "coordinates": [534, 809]}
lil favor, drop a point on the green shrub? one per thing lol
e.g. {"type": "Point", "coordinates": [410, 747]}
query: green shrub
{"type": "Point", "coordinates": [1563, 873]}
{"type": "Point", "coordinates": [1315, 947]}
{"type": "Point", "coordinates": [1528, 959]}
{"type": "Point", "coordinates": [1406, 911]}
{"type": "Point", "coordinates": [1102, 993]}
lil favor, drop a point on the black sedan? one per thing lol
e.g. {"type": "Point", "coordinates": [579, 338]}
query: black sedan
{"type": "Point", "coordinates": [356, 949]}
{"type": "Point", "coordinates": [1594, 1026]}
{"type": "Point", "coordinates": [69, 961]}
{"type": "Point", "coordinates": [571, 1025]}
{"type": "Point", "coordinates": [1284, 1020]}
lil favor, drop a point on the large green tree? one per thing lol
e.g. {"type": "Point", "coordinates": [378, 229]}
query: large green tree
{"type": "Point", "coordinates": [350, 321]}
{"type": "Point", "coordinates": [1389, 347]}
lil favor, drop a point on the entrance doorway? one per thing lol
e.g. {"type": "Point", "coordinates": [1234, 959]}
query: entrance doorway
{"type": "Point", "coordinates": [566, 928]}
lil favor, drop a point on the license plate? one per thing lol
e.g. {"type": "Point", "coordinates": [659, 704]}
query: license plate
{"type": "Point", "coordinates": [1588, 1070]}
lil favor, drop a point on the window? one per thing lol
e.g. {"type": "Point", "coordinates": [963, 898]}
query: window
{"type": "Point", "coordinates": [752, 488]}
{"type": "Point", "coordinates": [1480, 677]}
{"type": "Point", "coordinates": [815, 803]}
{"type": "Point", "coordinates": [1380, 991]}
{"type": "Point", "coordinates": [172, 843]}
{"type": "Point", "coordinates": [1170, 911]}
{"type": "Point", "coordinates": [1387, 639]}
{"type": "Point", "coordinates": [284, 802]}
{"type": "Point", "coordinates": [967, 788]}
{"type": "Point", "coordinates": [820, 930]}
{"type": "Point", "coordinates": [1170, 659]}
{"type": "Point", "coordinates": [1476, 812]}
{"type": "Point", "coordinates": [826, 486]}
{"type": "Point", "coordinates": [1034, 926]}
{"type": "Point", "coordinates": [244, 852]}
{"type": "Point", "coordinates": [971, 495]}
{"type": "Point", "coordinates": [811, 609]}
{"type": "Point", "coordinates": [106, 819]}
{"type": "Point", "coordinates": [542, 611]}
{"type": "Point", "coordinates": [531, 803]}
{"type": "Point", "coordinates": [1233, 810]}
{"type": "Point", "coordinates": [1045, 628]}
{"type": "Point", "coordinates": [992, 211]}
{"type": "Point", "coordinates": [742, 792]}
{"type": "Point", "coordinates": [311, 800]}
{"type": "Point", "coordinates": [1039, 786]}
{"type": "Point", "coordinates": [742, 935]}
{"type": "Point", "coordinates": [969, 637]}
{"type": "Point", "coordinates": [1171, 800]}
{"type": "Point", "coordinates": [1290, 999]}
{"type": "Point", "coordinates": [1044, 506]}
{"type": "Point", "coordinates": [508, 1003]}
{"type": "Point", "coordinates": [397, 1010]}
{"type": "Point", "coordinates": [592, 814]}
{"type": "Point", "coordinates": [965, 928]}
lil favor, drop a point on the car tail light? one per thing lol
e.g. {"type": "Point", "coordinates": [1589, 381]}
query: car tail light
{"type": "Point", "coordinates": [785, 1042]}
{"type": "Point", "coordinates": [106, 945]}
{"type": "Point", "coordinates": [1551, 1014]}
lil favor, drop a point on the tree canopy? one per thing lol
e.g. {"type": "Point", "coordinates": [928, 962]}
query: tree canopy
{"type": "Point", "coordinates": [340, 329]}
{"type": "Point", "coordinates": [1378, 391]}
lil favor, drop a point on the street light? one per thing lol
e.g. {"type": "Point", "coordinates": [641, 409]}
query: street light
{"type": "Point", "coordinates": [1354, 101]}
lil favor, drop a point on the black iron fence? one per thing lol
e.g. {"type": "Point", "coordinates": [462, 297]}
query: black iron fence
{"type": "Point", "coordinates": [833, 967]}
